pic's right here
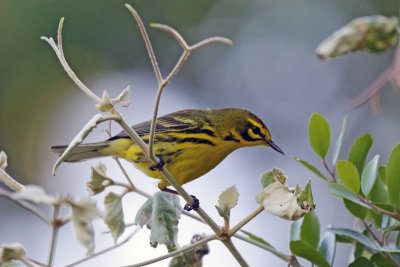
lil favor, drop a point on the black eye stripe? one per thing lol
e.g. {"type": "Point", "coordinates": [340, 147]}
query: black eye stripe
{"type": "Point", "coordinates": [256, 130]}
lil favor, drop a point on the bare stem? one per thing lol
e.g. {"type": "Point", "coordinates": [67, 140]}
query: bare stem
{"type": "Point", "coordinates": [379, 210]}
{"type": "Point", "coordinates": [147, 43]}
{"type": "Point", "coordinates": [54, 230]}
{"type": "Point", "coordinates": [58, 49]}
{"type": "Point", "coordinates": [9, 181]}
{"type": "Point", "coordinates": [372, 89]}
{"type": "Point", "coordinates": [125, 173]}
{"type": "Point", "coordinates": [27, 261]}
{"type": "Point", "coordinates": [238, 226]}
{"type": "Point", "coordinates": [26, 206]}
{"type": "Point", "coordinates": [331, 173]}
{"type": "Point", "coordinates": [277, 253]}
{"type": "Point", "coordinates": [176, 252]}
{"type": "Point", "coordinates": [374, 236]}
{"type": "Point", "coordinates": [105, 250]}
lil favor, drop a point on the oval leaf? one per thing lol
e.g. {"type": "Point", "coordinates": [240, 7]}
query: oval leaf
{"type": "Point", "coordinates": [338, 143]}
{"type": "Point", "coordinates": [359, 151]}
{"type": "Point", "coordinates": [311, 168]}
{"type": "Point", "coordinates": [319, 134]}
{"type": "Point", "coordinates": [328, 247]}
{"type": "Point", "coordinates": [342, 191]}
{"type": "Point", "coordinates": [305, 250]}
{"type": "Point", "coordinates": [310, 229]}
{"type": "Point", "coordinates": [356, 236]}
{"type": "Point", "coordinates": [393, 176]}
{"type": "Point", "coordinates": [348, 175]}
{"type": "Point", "coordinates": [369, 175]}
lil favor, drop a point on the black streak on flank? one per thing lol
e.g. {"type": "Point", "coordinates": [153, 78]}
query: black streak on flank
{"type": "Point", "coordinates": [172, 139]}
{"type": "Point", "coordinates": [200, 131]}
{"type": "Point", "coordinates": [230, 137]}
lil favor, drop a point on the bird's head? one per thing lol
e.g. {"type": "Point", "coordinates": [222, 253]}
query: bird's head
{"type": "Point", "coordinates": [249, 130]}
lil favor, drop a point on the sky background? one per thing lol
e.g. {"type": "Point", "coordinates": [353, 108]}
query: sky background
{"type": "Point", "coordinates": [271, 70]}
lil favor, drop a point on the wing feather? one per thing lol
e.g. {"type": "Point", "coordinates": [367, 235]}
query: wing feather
{"type": "Point", "coordinates": [164, 124]}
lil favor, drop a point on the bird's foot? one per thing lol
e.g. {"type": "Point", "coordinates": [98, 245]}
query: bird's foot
{"type": "Point", "coordinates": [188, 207]}
{"type": "Point", "coordinates": [157, 167]}
{"type": "Point", "coordinates": [194, 206]}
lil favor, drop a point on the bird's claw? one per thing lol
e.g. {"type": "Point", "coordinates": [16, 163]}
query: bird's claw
{"type": "Point", "coordinates": [194, 206]}
{"type": "Point", "coordinates": [157, 167]}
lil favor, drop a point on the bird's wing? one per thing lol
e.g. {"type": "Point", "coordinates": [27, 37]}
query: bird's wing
{"type": "Point", "coordinates": [164, 124]}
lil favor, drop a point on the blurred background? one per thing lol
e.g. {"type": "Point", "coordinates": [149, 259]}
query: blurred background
{"type": "Point", "coordinates": [271, 70]}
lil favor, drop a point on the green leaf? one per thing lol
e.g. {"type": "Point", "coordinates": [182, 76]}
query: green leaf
{"type": "Point", "coordinates": [359, 151]}
{"type": "Point", "coordinates": [380, 260]}
{"type": "Point", "coordinates": [368, 175]}
{"type": "Point", "coordinates": [305, 250]}
{"type": "Point", "coordinates": [341, 191]}
{"type": "Point", "coordinates": [338, 143]}
{"type": "Point", "coordinates": [379, 192]}
{"type": "Point", "coordinates": [319, 134]}
{"type": "Point", "coordinates": [311, 168]}
{"type": "Point", "coordinates": [256, 238]}
{"type": "Point", "coordinates": [355, 209]}
{"type": "Point", "coordinates": [356, 236]}
{"type": "Point", "coordinates": [114, 215]}
{"type": "Point", "coordinates": [349, 176]}
{"type": "Point", "coordinates": [328, 247]}
{"type": "Point", "coordinates": [361, 262]}
{"type": "Point", "coordinates": [295, 229]}
{"type": "Point", "coordinates": [382, 173]}
{"type": "Point", "coordinates": [393, 177]}
{"type": "Point", "coordinates": [310, 229]}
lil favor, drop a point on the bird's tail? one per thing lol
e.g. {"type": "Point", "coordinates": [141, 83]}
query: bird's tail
{"type": "Point", "coordinates": [81, 152]}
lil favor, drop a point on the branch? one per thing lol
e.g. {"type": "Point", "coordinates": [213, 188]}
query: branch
{"type": "Point", "coordinates": [277, 253]}
{"type": "Point", "coordinates": [58, 49]}
{"type": "Point", "coordinates": [147, 42]}
{"type": "Point", "coordinates": [176, 252]}
{"type": "Point", "coordinates": [9, 181]}
{"type": "Point", "coordinates": [379, 210]}
{"type": "Point", "coordinates": [251, 216]}
{"type": "Point", "coordinates": [54, 230]}
{"type": "Point", "coordinates": [26, 206]}
{"type": "Point", "coordinates": [105, 250]}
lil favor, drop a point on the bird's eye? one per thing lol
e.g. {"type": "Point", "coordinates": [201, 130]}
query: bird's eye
{"type": "Point", "coordinates": [256, 130]}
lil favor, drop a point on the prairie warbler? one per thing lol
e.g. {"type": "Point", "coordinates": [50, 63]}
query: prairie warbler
{"type": "Point", "coordinates": [189, 142]}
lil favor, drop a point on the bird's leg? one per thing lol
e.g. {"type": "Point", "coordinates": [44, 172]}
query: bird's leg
{"type": "Point", "coordinates": [194, 206]}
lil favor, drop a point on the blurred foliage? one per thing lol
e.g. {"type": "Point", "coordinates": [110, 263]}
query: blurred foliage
{"type": "Point", "coordinates": [99, 36]}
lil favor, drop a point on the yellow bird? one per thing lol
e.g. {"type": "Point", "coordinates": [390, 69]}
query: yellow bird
{"type": "Point", "coordinates": [189, 142]}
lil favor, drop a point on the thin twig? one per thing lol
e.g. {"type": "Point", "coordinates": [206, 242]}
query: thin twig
{"type": "Point", "coordinates": [9, 181]}
{"type": "Point", "coordinates": [27, 261]}
{"type": "Point", "coordinates": [26, 206]}
{"type": "Point", "coordinates": [331, 173]}
{"type": "Point", "coordinates": [105, 250]}
{"type": "Point", "coordinates": [147, 43]}
{"type": "Point", "coordinates": [125, 173]}
{"type": "Point", "coordinates": [277, 253]}
{"type": "Point", "coordinates": [176, 252]}
{"type": "Point", "coordinates": [248, 218]}
{"type": "Point", "coordinates": [372, 89]}
{"type": "Point", "coordinates": [60, 54]}
{"type": "Point", "coordinates": [37, 262]}
{"type": "Point", "coordinates": [374, 236]}
{"type": "Point", "coordinates": [54, 230]}
{"type": "Point", "coordinates": [379, 210]}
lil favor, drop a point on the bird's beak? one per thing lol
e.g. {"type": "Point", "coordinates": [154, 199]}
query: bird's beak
{"type": "Point", "coordinates": [275, 146]}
